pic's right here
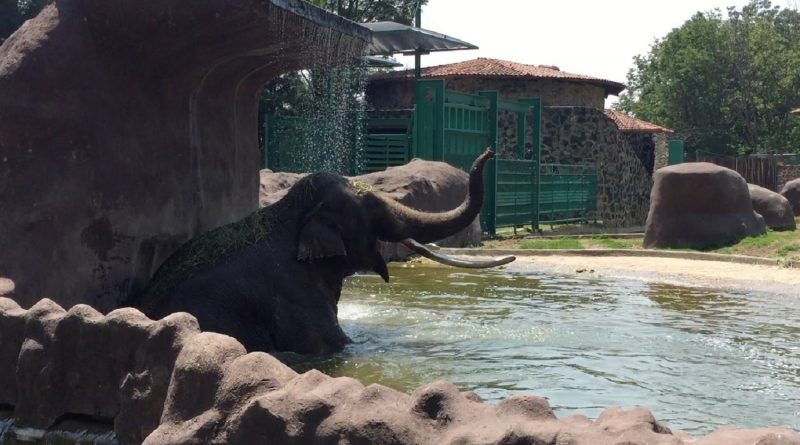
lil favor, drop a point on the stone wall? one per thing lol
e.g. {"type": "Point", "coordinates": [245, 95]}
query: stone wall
{"type": "Point", "coordinates": [644, 145]}
{"type": "Point", "coordinates": [787, 173]}
{"type": "Point", "coordinates": [164, 382]}
{"type": "Point", "coordinates": [578, 135]}
{"type": "Point", "coordinates": [400, 93]}
{"type": "Point", "coordinates": [661, 155]}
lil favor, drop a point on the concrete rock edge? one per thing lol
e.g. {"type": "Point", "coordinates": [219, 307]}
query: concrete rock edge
{"type": "Point", "coordinates": [219, 393]}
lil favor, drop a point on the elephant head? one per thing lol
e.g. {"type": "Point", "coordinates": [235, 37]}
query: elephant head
{"type": "Point", "coordinates": [273, 280]}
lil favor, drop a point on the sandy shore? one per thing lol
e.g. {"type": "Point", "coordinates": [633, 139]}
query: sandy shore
{"type": "Point", "coordinates": [683, 272]}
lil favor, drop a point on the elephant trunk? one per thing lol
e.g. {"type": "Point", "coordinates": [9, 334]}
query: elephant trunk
{"type": "Point", "coordinates": [399, 222]}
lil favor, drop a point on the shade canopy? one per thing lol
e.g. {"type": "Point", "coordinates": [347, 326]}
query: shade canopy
{"type": "Point", "coordinates": [381, 62]}
{"type": "Point", "coordinates": [392, 38]}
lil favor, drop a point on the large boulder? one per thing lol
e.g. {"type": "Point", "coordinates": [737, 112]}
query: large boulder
{"type": "Point", "coordinates": [699, 205]}
{"type": "Point", "coordinates": [424, 185]}
{"type": "Point", "coordinates": [791, 191]}
{"type": "Point", "coordinates": [776, 209]}
{"type": "Point", "coordinates": [128, 127]}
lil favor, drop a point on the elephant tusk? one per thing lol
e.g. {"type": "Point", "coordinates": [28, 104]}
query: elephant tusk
{"type": "Point", "coordinates": [450, 261]}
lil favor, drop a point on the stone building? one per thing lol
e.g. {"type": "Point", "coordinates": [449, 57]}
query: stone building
{"type": "Point", "coordinates": [575, 127]}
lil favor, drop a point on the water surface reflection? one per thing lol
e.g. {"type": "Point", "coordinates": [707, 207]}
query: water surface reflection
{"type": "Point", "coordinates": [696, 358]}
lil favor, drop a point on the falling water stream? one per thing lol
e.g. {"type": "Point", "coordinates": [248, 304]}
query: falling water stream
{"type": "Point", "coordinates": [697, 358]}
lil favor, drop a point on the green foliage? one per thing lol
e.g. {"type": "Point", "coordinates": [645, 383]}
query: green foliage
{"type": "Point", "coordinates": [401, 11]}
{"type": "Point", "coordinates": [725, 83]}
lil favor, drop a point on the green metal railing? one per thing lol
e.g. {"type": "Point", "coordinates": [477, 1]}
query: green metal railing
{"type": "Point", "coordinates": [567, 193]}
{"type": "Point", "coordinates": [515, 202]}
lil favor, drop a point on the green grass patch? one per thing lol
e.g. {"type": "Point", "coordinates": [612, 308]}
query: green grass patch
{"type": "Point", "coordinates": [551, 243]}
{"type": "Point", "coordinates": [770, 244]}
{"type": "Point", "coordinates": [784, 246]}
{"type": "Point", "coordinates": [619, 243]}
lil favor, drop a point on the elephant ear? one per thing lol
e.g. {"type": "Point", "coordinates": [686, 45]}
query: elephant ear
{"type": "Point", "coordinates": [319, 237]}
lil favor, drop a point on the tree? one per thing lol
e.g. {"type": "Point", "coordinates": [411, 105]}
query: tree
{"type": "Point", "coordinates": [361, 11]}
{"type": "Point", "coordinates": [724, 83]}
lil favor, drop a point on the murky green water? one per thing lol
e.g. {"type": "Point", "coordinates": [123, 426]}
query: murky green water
{"type": "Point", "coordinates": [696, 358]}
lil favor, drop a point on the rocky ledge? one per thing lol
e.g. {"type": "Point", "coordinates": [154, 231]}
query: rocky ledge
{"type": "Point", "coordinates": [165, 382]}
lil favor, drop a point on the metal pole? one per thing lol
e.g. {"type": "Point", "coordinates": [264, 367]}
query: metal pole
{"type": "Point", "coordinates": [417, 56]}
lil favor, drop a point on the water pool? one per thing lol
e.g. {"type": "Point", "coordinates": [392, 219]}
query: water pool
{"type": "Point", "coordinates": [696, 358]}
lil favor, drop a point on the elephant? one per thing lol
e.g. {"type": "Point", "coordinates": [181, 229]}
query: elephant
{"type": "Point", "coordinates": [273, 280]}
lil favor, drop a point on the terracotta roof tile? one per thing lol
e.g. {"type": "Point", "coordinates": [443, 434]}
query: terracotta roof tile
{"type": "Point", "coordinates": [485, 67]}
{"type": "Point", "coordinates": [629, 124]}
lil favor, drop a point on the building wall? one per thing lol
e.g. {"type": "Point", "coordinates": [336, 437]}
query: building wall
{"type": "Point", "coordinates": [643, 145]}
{"type": "Point", "coordinates": [399, 93]}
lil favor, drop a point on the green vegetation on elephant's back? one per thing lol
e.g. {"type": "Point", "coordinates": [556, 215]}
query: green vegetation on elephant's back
{"type": "Point", "coordinates": [208, 249]}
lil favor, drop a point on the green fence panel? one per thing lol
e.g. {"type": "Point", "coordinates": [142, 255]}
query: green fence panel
{"type": "Point", "coordinates": [382, 151]}
{"type": "Point", "coordinates": [515, 201]}
{"type": "Point", "coordinates": [567, 193]}
{"type": "Point", "coordinates": [387, 143]}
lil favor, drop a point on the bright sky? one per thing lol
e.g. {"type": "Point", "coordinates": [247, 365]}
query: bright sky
{"type": "Point", "coordinates": [597, 38]}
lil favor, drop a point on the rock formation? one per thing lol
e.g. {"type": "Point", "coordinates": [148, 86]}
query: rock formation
{"type": "Point", "coordinates": [164, 382]}
{"type": "Point", "coordinates": [129, 127]}
{"type": "Point", "coordinates": [791, 191]}
{"type": "Point", "coordinates": [425, 185]}
{"type": "Point", "coordinates": [776, 210]}
{"type": "Point", "coordinates": [115, 367]}
{"type": "Point", "coordinates": [699, 205]}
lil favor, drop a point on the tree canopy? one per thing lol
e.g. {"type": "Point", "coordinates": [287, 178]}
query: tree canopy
{"type": "Point", "coordinates": [724, 82]}
{"type": "Point", "coordinates": [401, 11]}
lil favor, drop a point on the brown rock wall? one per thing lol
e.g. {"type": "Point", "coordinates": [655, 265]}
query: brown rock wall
{"type": "Point", "coordinates": [130, 126]}
{"type": "Point", "coordinates": [210, 390]}
{"type": "Point", "coordinates": [110, 368]}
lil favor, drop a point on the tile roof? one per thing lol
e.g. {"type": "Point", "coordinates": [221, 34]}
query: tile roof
{"type": "Point", "coordinates": [629, 124]}
{"type": "Point", "coordinates": [485, 67]}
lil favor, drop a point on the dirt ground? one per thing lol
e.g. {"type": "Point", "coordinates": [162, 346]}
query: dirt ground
{"type": "Point", "coordinates": [683, 272]}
